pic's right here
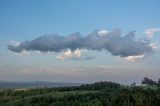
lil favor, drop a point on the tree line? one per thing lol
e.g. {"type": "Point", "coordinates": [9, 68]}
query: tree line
{"type": "Point", "coordinates": [149, 81]}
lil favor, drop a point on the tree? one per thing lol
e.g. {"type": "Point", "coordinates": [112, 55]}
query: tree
{"type": "Point", "coordinates": [148, 81]}
{"type": "Point", "coordinates": [158, 82]}
{"type": "Point", "coordinates": [133, 84]}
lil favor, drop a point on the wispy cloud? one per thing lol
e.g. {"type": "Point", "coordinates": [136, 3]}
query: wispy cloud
{"type": "Point", "coordinates": [154, 45]}
{"type": "Point", "coordinates": [22, 53]}
{"type": "Point", "coordinates": [150, 32]}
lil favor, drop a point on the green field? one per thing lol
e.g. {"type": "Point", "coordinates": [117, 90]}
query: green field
{"type": "Point", "coordinates": [97, 94]}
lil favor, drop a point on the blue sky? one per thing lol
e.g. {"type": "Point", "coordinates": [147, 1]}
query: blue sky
{"type": "Point", "coordinates": [22, 20]}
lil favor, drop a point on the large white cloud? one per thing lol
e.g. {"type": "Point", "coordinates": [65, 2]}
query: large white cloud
{"type": "Point", "coordinates": [74, 44]}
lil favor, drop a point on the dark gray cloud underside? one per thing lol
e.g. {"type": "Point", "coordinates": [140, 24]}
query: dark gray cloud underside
{"type": "Point", "coordinates": [113, 42]}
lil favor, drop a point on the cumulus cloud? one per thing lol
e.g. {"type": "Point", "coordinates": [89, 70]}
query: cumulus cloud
{"type": "Point", "coordinates": [134, 58]}
{"type": "Point", "coordinates": [103, 32]}
{"type": "Point", "coordinates": [70, 54]}
{"type": "Point", "coordinates": [73, 44]}
{"type": "Point", "coordinates": [75, 55]}
{"type": "Point", "coordinates": [150, 32]}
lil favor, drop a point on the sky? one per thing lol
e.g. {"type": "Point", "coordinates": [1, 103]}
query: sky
{"type": "Point", "coordinates": [79, 41]}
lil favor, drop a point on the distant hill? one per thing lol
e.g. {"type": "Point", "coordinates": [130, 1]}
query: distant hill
{"type": "Point", "coordinates": [34, 84]}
